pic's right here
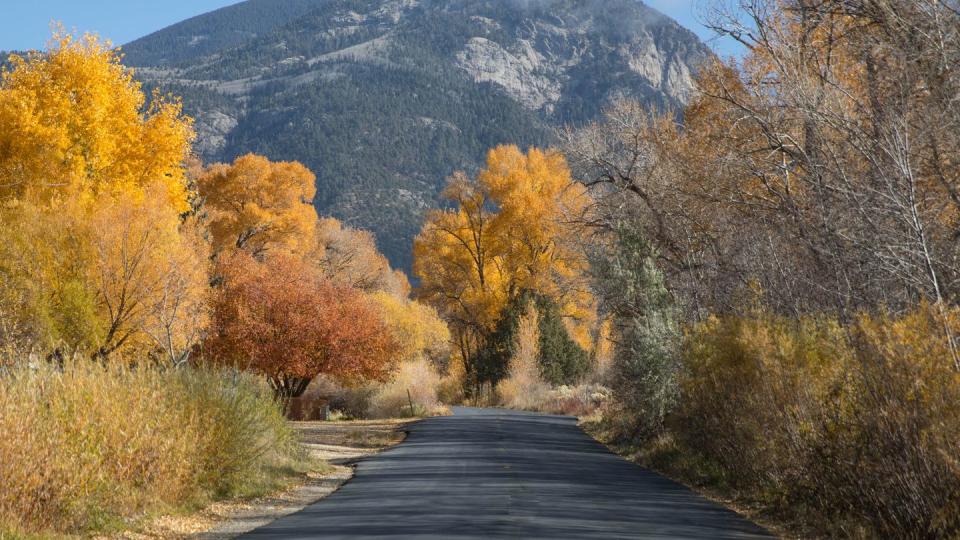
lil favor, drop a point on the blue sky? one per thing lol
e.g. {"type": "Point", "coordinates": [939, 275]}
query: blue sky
{"type": "Point", "coordinates": [689, 13]}
{"type": "Point", "coordinates": [26, 23]}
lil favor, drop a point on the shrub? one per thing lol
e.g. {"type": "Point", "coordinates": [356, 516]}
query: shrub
{"type": "Point", "coordinates": [857, 423]}
{"type": "Point", "coordinates": [892, 457]}
{"type": "Point", "coordinates": [417, 382]}
{"type": "Point", "coordinates": [352, 402]}
{"type": "Point", "coordinates": [524, 388]}
{"type": "Point", "coordinates": [87, 446]}
{"type": "Point", "coordinates": [452, 383]}
{"type": "Point", "coordinates": [644, 369]}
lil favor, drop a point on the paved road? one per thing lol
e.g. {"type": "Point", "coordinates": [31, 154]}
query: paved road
{"type": "Point", "coordinates": [486, 473]}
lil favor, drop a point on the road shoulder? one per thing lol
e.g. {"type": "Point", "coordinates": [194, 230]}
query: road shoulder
{"type": "Point", "coordinates": [758, 514]}
{"type": "Point", "coordinates": [339, 444]}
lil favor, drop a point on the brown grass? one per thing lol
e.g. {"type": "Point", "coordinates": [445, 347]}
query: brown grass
{"type": "Point", "coordinates": [89, 448]}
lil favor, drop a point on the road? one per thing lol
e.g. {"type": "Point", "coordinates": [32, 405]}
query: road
{"type": "Point", "coordinates": [490, 473]}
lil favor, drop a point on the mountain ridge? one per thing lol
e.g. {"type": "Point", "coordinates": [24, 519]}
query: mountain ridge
{"type": "Point", "coordinates": [384, 99]}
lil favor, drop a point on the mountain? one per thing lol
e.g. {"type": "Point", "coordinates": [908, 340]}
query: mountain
{"type": "Point", "coordinates": [383, 99]}
{"type": "Point", "coordinates": [5, 58]}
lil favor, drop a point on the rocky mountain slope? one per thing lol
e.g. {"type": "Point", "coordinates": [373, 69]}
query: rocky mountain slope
{"type": "Point", "coordinates": [385, 98]}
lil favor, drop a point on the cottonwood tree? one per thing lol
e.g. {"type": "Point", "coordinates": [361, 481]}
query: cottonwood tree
{"type": "Point", "coordinates": [150, 274]}
{"type": "Point", "coordinates": [93, 185]}
{"type": "Point", "coordinates": [258, 205]}
{"type": "Point", "coordinates": [511, 229]}
{"type": "Point", "coordinates": [810, 174]}
{"type": "Point", "coordinates": [75, 124]}
{"type": "Point", "coordinates": [350, 257]}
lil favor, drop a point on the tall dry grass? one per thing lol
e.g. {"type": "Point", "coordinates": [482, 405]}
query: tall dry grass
{"type": "Point", "coordinates": [524, 388]}
{"type": "Point", "coordinates": [87, 447]}
{"type": "Point", "coordinates": [416, 383]}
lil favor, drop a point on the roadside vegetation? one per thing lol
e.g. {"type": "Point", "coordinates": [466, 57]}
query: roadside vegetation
{"type": "Point", "coordinates": [761, 299]}
{"type": "Point", "coordinates": [159, 316]}
{"type": "Point", "coordinates": [781, 268]}
{"type": "Point", "coordinates": [87, 445]}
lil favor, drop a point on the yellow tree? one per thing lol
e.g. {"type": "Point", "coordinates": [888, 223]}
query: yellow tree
{"type": "Point", "coordinates": [257, 205]}
{"type": "Point", "coordinates": [514, 229]}
{"type": "Point", "coordinates": [540, 212]}
{"type": "Point", "coordinates": [456, 259]}
{"type": "Point", "coordinates": [75, 124]}
{"type": "Point", "coordinates": [150, 274]}
{"type": "Point", "coordinates": [95, 256]}
{"type": "Point", "coordinates": [418, 329]}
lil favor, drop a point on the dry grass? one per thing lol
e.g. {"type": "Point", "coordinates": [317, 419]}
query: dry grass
{"type": "Point", "coordinates": [411, 393]}
{"type": "Point", "coordinates": [352, 435]}
{"type": "Point", "coordinates": [92, 448]}
{"type": "Point", "coordinates": [332, 445]}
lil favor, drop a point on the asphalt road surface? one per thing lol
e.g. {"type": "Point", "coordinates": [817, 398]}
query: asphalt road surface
{"type": "Point", "coordinates": [490, 473]}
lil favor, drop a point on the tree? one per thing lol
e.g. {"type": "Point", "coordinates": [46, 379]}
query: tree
{"type": "Point", "coordinates": [280, 319]}
{"type": "Point", "coordinates": [455, 259]}
{"type": "Point", "coordinates": [350, 257]}
{"type": "Point", "coordinates": [74, 124]}
{"type": "Point", "coordinates": [48, 300]}
{"type": "Point", "coordinates": [94, 254]}
{"type": "Point", "coordinates": [418, 329]}
{"type": "Point", "coordinates": [150, 272]}
{"type": "Point", "coordinates": [258, 205]}
{"type": "Point", "coordinates": [514, 228]}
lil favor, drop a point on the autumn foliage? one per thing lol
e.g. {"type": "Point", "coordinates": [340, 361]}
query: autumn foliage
{"type": "Point", "coordinates": [94, 254]}
{"type": "Point", "coordinates": [280, 319]}
{"type": "Point", "coordinates": [782, 266]}
{"type": "Point", "coordinates": [74, 124]}
{"type": "Point", "coordinates": [118, 245]}
{"type": "Point", "coordinates": [258, 205]}
{"type": "Point", "coordinates": [512, 230]}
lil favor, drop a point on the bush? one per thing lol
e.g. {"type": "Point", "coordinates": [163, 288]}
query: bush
{"type": "Point", "coordinates": [415, 381]}
{"type": "Point", "coordinates": [89, 446]}
{"type": "Point", "coordinates": [643, 371]}
{"type": "Point", "coordinates": [452, 383]}
{"type": "Point", "coordinates": [524, 388]}
{"type": "Point", "coordinates": [858, 424]}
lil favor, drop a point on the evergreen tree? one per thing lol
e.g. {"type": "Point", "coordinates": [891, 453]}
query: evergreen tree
{"type": "Point", "coordinates": [561, 359]}
{"type": "Point", "coordinates": [646, 363]}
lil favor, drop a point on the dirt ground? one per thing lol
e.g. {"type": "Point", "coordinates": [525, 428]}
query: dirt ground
{"type": "Point", "coordinates": [339, 444]}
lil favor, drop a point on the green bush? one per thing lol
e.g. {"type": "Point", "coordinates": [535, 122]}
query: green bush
{"type": "Point", "coordinates": [89, 447]}
{"type": "Point", "coordinates": [644, 372]}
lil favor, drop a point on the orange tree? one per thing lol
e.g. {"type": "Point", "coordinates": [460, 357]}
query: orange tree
{"type": "Point", "coordinates": [259, 205]}
{"type": "Point", "coordinates": [281, 319]}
